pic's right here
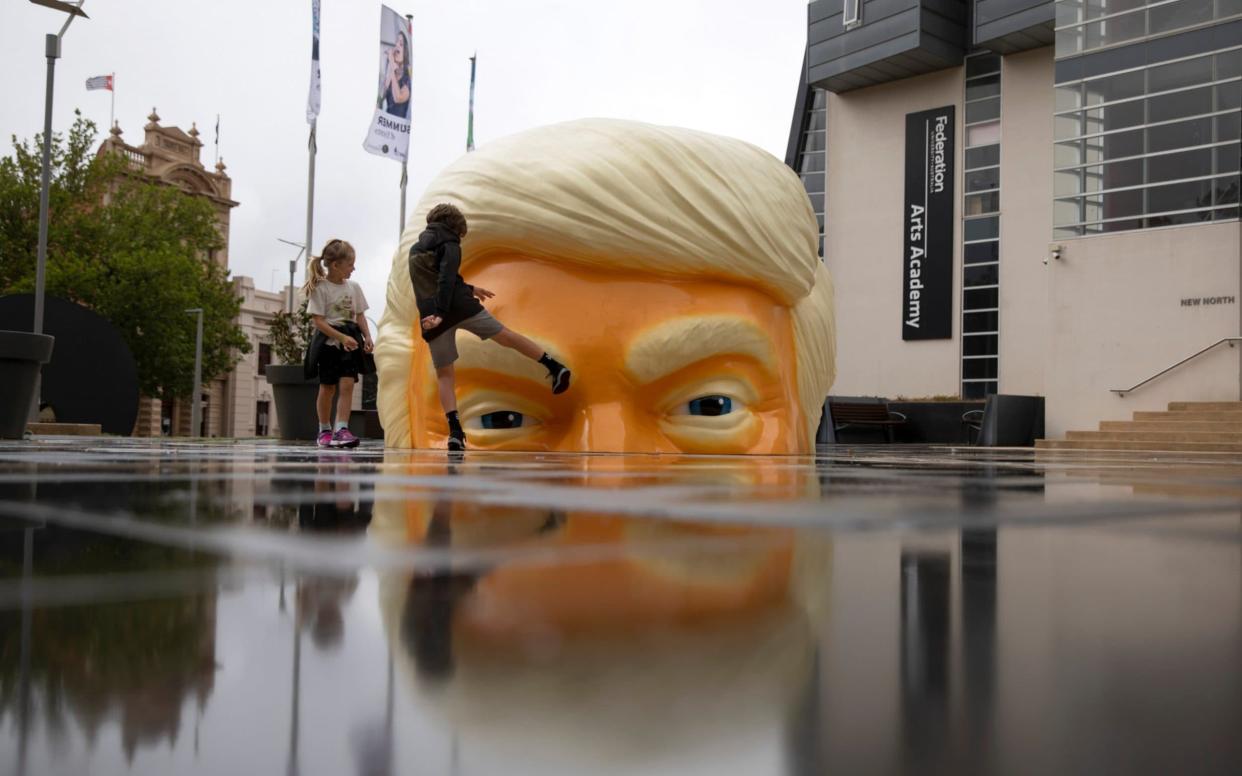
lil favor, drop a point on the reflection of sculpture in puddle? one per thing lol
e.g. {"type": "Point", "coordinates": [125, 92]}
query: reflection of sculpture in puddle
{"type": "Point", "coordinates": [604, 640]}
{"type": "Point", "coordinates": [676, 272]}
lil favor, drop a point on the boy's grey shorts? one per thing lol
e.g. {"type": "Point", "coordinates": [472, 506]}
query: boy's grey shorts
{"type": "Point", "coordinates": [444, 347]}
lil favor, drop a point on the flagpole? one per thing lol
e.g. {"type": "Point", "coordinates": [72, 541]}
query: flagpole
{"type": "Point", "coordinates": [470, 119]}
{"type": "Point", "coordinates": [310, 201]}
{"type": "Point", "coordinates": [409, 31]}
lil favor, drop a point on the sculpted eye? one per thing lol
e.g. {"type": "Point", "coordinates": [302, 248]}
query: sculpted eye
{"type": "Point", "coordinates": [710, 406]}
{"type": "Point", "coordinates": [504, 419]}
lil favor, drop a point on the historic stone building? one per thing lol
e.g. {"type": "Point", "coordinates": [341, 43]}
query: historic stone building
{"type": "Point", "coordinates": [238, 404]}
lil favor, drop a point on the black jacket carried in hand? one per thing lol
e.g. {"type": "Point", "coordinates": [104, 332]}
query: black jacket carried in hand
{"type": "Point", "coordinates": [439, 290]}
{"type": "Point", "coordinates": [365, 361]}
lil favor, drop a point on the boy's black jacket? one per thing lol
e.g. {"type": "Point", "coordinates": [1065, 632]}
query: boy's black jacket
{"type": "Point", "coordinates": [310, 364]}
{"type": "Point", "coordinates": [439, 290]}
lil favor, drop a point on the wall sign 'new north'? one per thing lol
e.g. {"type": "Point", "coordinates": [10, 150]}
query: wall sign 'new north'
{"type": "Point", "coordinates": [927, 298]}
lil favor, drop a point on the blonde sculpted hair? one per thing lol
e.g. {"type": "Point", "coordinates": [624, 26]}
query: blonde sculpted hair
{"type": "Point", "coordinates": [616, 194]}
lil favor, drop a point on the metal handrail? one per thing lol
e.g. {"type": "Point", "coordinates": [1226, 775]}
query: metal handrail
{"type": "Point", "coordinates": [1123, 391]}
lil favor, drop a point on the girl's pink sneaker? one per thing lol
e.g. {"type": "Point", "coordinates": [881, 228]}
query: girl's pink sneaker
{"type": "Point", "coordinates": [344, 438]}
{"type": "Point", "coordinates": [325, 439]}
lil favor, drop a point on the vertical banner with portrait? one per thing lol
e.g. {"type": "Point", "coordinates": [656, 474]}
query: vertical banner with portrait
{"type": "Point", "coordinates": [312, 99]}
{"type": "Point", "coordinates": [390, 125]}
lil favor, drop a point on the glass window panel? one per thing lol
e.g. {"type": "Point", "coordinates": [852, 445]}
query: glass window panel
{"type": "Point", "coordinates": [1178, 74]}
{"type": "Point", "coordinates": [1116, 116]}
{"type": "Point", "coordinates": [978, 299]}
{"type": "Point", "coordinates": [1115, 146]}
{"type": "Point", "coordinates": [813, 162]}
{"type": "Point", "coordinates": [982, 228]}
{"type": "Point", "coordinates": [1122, 203]}
{"type": "Point", "coordinates": [817, 202]}
{"type": "Point", "coordinates": [1226, 8]}
{"type": "Point", "coordinates": [980, 252]}
{"type": "Point", "coordinates": [980, 180]}
{"type": "Point", "coordinates": [816, 121]}
{"type": "Point", "coordinates": [819, 99]}
{"type": "Point", "coordinates": [1069, 41]}
{"type": "Point", "coordinates": [813, 141]}
{"type": "Point", "coordinates": [1177, 219]}
{"type": "Point", "coordinates": [1122, 226]}
{"type": "Point", "coordinates": [1116, 87]}
{"type": "Point", "coordinates": [1228, 96]}
{"type": "Point", "coordinates": [985, 110]}
{"type": "Point", "coordinates": [1066, 182]}
{"type": "Point", "coordinates": [1069, 97]}
{"type": "Point", "coordinates": [1093, 178]}
{"type": "Point", "coordinates": [979, 321]}
{"type": "Point", "coordinates": [982, 65]}
{"type": "Point", "coordinates": [980, 275]}
{"type": "Point", "coordinates": [1179, 196]}
{"type": "Point", "coordinates": [813, 182]}
{"type": "Point", "coordinates": [1226, 158]}
{"type": "Point", "coordinates": [1175, 16]}
{"type": "Point", "coordinates": [1227, 127]}
{"type": "Point", "coordinates": [1225, 191]}
{"type": "Point", "coordinates": [983, 345]}
{"type": "Point", "coordinates": [987, 156]}
{"type": "Point", "coordinates": [1068, 13]}
{"type": "Point", "coordinates": [1171, 167]}
{"type": "Point", "coordinates": [1067, 126]}
{"type": "Point", "coordinates": [1194, 102]}
{"type": "Point", "coordinates": [1229, 63]}
{"type": "Point", "coordinates": [1120, 174]}
{"type": "Point", "coordinates": [988, 86]}
{"type": "Point", "coordinates": [977, 390]}
{"type": "Point", "coordinates": [1064, 233]}
{"type": "Point", "coordinates": [1067, 154]}
{"type": "Point", "coordinates": [1115, 30]}
{"type": "Point", "coordinates": [1179, 135]}
{"type": "Point", "coordinates": [983, 134]}
{"type": "Point", "coordinates": [1067, 211]}
{"type": "Point", "coordinates": [1221, 215]}
{"type": "Point", "coordinates": [978, 204]}
{"type": "Point", "coordinates": [974, 368]}
{"type": "Point", "coordinates": [1097, 8]}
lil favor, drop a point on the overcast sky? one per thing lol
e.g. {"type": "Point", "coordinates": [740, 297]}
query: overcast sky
{"type": "Point", "coordinates": [724, 66]}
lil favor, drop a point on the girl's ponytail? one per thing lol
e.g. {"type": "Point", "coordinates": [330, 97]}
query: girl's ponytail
{"type": "Point", "coordinates": [334, 251]}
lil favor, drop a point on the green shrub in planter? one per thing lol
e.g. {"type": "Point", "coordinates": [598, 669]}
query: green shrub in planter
{"type": "Point", "coordinates": [294, 395]}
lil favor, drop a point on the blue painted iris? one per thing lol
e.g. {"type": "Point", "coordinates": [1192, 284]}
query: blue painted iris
{"type": "Point", "coordinates": [501, 420]}
{"type": "Point", "coordinates": [711, 405]}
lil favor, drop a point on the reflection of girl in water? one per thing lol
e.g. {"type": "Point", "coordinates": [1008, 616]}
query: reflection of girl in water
{"type": "Point", "coordinates": [396, 89]}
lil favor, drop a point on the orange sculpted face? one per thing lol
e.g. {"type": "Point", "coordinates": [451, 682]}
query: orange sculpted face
{"type": "Point", "coordinates": [659, 365]}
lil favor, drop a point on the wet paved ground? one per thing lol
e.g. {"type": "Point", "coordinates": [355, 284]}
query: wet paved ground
{"type": "Point", "coordinates": [241, 608]}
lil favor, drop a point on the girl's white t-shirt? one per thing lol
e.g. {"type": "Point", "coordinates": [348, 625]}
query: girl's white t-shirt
{"type": "Point", "coordinates": [337, 302]}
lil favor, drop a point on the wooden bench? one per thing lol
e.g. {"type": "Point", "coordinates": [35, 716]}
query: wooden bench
{"type": "Point", "coordinates": [869, 414]}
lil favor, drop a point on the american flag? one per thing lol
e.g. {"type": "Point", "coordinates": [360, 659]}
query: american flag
{"type": "Point", "coordinates": [99, 82]}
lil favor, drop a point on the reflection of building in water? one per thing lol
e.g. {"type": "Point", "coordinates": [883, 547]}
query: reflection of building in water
{"type": "Point", "coordinates": [135, 662]}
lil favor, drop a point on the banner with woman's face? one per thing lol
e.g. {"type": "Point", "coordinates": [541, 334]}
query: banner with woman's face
{"type": "Point", "coordinates": [389, 134]}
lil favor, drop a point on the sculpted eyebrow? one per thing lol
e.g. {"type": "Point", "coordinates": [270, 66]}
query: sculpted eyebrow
{"type": "Point", "coordinates": [680, 342]}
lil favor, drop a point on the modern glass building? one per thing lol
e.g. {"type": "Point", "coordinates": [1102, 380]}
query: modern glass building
{"type": "Point", "coordinates": [1047, 193]}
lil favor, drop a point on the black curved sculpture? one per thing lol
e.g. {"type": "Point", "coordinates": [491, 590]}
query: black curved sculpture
{"type": "Point", "coordinates": [92, 377]}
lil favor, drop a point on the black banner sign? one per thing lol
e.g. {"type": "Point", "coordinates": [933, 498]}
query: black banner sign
{"type": "Point", "coordinates": [927, 298]}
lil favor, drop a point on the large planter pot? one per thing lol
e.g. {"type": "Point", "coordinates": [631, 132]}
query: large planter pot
{"type": "Point", "coordinates": [295, 400]}
{"type": "Point", "coordinates": [22, 354]}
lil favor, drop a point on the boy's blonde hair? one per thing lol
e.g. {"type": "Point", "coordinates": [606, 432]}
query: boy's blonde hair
{"type": "Point", "coordinates": [616, 194]}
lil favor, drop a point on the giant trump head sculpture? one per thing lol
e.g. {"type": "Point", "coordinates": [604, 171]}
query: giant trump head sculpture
{"type": "Point", "coordinates": [674, 271]}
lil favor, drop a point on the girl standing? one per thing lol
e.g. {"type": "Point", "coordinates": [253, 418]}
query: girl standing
{"type": "Point", "coordinates": [340, 349]}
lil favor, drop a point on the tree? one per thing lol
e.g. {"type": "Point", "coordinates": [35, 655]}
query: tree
{"type": "Point", "coordinates": [130, 248]}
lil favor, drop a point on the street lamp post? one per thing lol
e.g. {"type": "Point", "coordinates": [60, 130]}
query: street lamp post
{"type": "Point", "coordinates": [293, 266]}
{"type": "Point", "coordinates": [52, 51]}
{"type": "Point", "coordinates": [196, 408]}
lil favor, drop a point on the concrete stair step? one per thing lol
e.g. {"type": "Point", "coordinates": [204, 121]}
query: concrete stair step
{"type": "Point", "coordinates": [1209, 416]}
{"type": "Point", "coordinates": [1171, 425]}
{"type": "Point", "coordinates": [1159, 436]}
{"type": "Point", "coordinates": [1117, 444]}
{"type": "Point", "coordinates": [1205, 406]}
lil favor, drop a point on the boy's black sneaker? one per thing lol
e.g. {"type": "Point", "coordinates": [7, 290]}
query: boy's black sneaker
{"type": "Point", "coordinates": [557, 371]}
{"type": "Point", "coordinates": [456, 444]}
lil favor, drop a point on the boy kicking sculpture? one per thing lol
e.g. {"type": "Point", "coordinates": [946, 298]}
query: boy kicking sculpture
{"type": "Point", "coordinates": [447, 303]}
